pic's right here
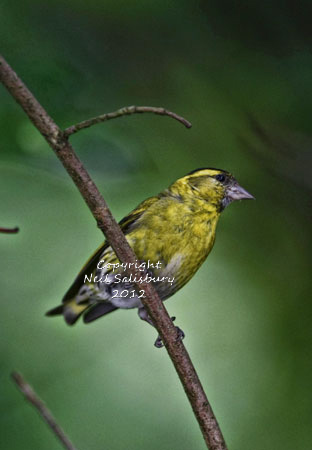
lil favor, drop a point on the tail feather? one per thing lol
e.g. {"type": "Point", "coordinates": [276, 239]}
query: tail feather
{"type": "Point", "coordinates": [70, 310]}
{"type": "Point", "coordinates": [55, 311]}
{"type": "Point", "coordinates": [97, 311]}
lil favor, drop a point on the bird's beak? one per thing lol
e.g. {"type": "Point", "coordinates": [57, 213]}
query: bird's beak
{"type": "Point", "coordinates": [236, 192]}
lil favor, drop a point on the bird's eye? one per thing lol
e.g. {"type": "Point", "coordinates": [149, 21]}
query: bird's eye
{"type": "Point", "coordinates": [220, 177]}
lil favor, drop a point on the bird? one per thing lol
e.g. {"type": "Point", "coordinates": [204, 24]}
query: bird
{"type": "Point", "coordinates": [171, 234]}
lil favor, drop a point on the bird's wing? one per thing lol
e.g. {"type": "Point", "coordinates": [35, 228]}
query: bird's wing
{"type": "Point", "coordinates": [87, 269]}
{"type": "Point", "coordinates": [127, 224]}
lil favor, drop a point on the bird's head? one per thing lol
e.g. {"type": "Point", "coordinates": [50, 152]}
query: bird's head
{"type": "Point", "coordinates": [216, 186]}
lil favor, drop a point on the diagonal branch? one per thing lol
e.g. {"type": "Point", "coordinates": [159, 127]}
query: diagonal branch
{"type": "Point", "coordinates": [106, 222]}
{"type": "Point", "coordinates": [42, 409]}
{"type": "Point", "coordinates": [126, 111]}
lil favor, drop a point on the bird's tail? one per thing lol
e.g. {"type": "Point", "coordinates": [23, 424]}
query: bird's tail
{"type": "Point", "coordinates": [99, 310]}
{"type": "Point", "coordinates": [72, 311]}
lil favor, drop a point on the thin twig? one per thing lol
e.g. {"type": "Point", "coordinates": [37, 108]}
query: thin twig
{"type": "Point", "coordinates": [42, 409]}
{"type": "Point", "coordinates": [126, 111]}
{"type": "Point", "coordinates": [106, 222]}
{"type": "Point", "coordinates": [9, 230]}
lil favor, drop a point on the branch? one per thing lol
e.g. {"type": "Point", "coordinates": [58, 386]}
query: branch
{"type": "Point", "coordinates": [9, 230]}
{"type": "Point", "coordinates": [126, 111]}
{"type": "Point", "coordinates": [105, 221]}
{"type": "Point", "coordinates": [44, 412]}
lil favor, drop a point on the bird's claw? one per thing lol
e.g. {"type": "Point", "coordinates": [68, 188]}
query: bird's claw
{"type": "Point", "coordinates": [180, 336]}
{"type": "Point", "coordinates": [180, 333]}
{"type": "Point", "coordinates": [158, 343]}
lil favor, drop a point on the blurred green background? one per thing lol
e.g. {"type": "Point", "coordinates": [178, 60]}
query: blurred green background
{"type": "Point", "coordinates": [241, 73]}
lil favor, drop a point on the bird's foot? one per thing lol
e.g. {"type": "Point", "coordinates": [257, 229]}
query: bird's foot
{"type": "Point", "coordinates": [180, 335]}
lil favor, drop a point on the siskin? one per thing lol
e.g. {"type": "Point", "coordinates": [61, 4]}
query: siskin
{"type": "Point", "coordinates": [171, 234]}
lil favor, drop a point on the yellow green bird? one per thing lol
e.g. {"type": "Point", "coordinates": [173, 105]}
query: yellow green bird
{"type": "Point", "coordinates": [171, 235]}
